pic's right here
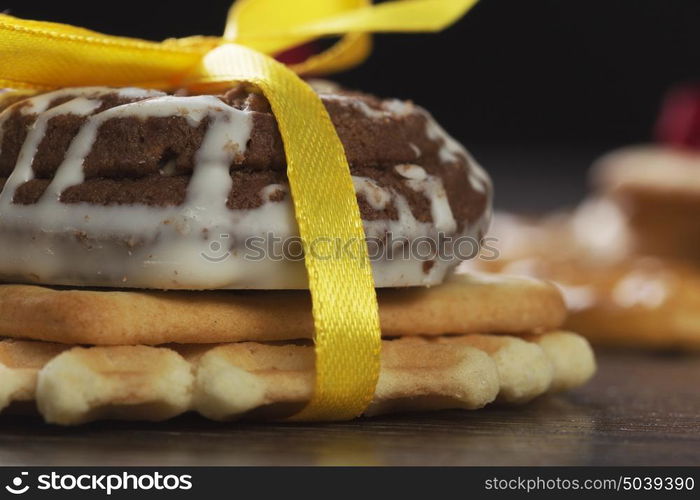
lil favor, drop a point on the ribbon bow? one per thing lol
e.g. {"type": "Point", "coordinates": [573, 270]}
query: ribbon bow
{"type": "Point", "coordinates": [37, 55]}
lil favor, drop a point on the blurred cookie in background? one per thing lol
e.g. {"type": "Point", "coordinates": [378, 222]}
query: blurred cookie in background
{"type": "Point", "coordinates": [627, 259]}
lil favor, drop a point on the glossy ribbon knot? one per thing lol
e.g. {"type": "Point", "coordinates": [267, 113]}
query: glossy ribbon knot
{"type": "Point", "coordinates": [37, 56]}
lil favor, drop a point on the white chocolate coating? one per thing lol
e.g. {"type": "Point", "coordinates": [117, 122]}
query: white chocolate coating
{"type": "Point", "coordinates": [200, 244]}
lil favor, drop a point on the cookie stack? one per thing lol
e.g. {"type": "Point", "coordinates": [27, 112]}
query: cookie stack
{"type": "Point", "coordinates": [151, 264]}
{"type": "Point", "coordinates": [231, 354]}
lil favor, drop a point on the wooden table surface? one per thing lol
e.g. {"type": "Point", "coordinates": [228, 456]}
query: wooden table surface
{"type": "Point", "coordinates": [641, 408]}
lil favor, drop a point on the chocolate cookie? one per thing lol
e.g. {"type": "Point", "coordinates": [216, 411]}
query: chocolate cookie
{"type": "Point", "coordinates": [137, 188]}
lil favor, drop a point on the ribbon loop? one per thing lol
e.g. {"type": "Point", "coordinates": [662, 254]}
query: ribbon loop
{"type": "Point", "coordinates": [36, 54]}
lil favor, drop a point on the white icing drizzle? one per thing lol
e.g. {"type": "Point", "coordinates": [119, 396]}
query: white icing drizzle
{"type": "Point", "coordinates": [440, 209]}
{"type": "Point", "coordinates": [357, 104]}
{"type": "Point", "coordinates": [432, 187]}
{"type": "Point", "coordinates": [390, 107]}
{"type": "Point", "coordinates": [410, 171]}
{"type": "Point", "coordinates": [23, 169]}
{"type": "Point", "coordinates": [39, 103]}
{"type": "Point", "coordinates": [398, 107]}
{"type": "Point", "coordinates": [267, 192]}
{"type": "Point", "coordinates": [84, 101]}
{"type": "Point", "coordinates": [450, 152]}
{"type": "Point", "coordinates": [376, 196]}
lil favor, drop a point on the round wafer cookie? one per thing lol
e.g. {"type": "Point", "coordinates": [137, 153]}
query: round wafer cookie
{"type": "Point", "coordinates": [72, 385]}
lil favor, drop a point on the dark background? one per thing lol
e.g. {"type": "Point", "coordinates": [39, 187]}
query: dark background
{"type": "Point", "coordinates": [535, 88]}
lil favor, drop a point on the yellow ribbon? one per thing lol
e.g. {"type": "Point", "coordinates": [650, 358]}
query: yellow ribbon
{"type": "Point", "coordinates": [39, 55]}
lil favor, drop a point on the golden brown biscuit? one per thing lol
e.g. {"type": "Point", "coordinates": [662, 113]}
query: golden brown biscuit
{"type": "Point", "coordinates": [465, 304]}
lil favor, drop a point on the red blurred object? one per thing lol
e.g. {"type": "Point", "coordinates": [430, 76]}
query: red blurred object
{"type": "Point", "coordinates": [679, 122]}
{"type": "Point", "coordinates": [298, 54]}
